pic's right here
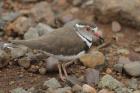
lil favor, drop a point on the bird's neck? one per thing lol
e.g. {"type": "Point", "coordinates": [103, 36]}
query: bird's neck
{"type": "Point", "coordinates": [86, 40]}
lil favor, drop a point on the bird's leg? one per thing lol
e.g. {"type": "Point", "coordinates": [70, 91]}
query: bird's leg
{"type": "Point", "coordinates": [60, 72]}
{"type": "Point", "coordinates": [66, 65]}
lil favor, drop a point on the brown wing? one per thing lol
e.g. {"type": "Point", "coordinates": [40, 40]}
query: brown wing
{"type": "Point", "coordinates": [61, 41]}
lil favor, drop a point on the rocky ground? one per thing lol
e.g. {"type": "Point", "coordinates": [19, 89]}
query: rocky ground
{"type": "Point", "coordinates": [112, 68]}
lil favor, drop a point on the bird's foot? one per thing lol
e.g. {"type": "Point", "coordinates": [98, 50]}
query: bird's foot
{"type": "Point", "coordinates": [64, 65]}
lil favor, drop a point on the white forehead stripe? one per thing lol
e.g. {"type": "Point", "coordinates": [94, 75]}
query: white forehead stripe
{"type": "Point", "coordinates": [77, 25]}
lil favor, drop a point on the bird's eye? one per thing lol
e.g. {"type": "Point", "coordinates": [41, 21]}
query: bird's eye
{"type": "Point", "coordinates": [87, 28]}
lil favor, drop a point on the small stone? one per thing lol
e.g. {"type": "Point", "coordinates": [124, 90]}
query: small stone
{"type": "Point", "coordinates": [123, 60]}
{"type": "Point", "coordinates": [2, 91]}
{"type": "Point", "coordinates": [4, 58]}
{"type": "Point", "coordinates": [20, 25]}
{"type": "Point", "coordinates": [105, 91]}
{"type": "Point", "coordinates": [63, 90]}
{"type": "Point", "coordinates": [137, 49]}
{"type": "Point", "coordinates": [93, 60]}
{"type": "Point", "coordinates": [137, 91]}
{"type": "Point", "coordinates": [52, 83]}
{"type": "Point", "coordinates": [108, 81]}
{"type": "Point", "coordinates": [51, 64]}
{"type": "Point", "coordinates": [18, 51]}
{"type": "Point", "coordinates": [31, 34]}
{"type": "Point", "coordinates": [73, 80]}
{"type": "Point", "coordinates": [88, 89]}
{"type": "Point", "coordinates": [133, 84]}
{"type": "Point", "coordinates": [116, 27]}
{"type": "Point", "coordinates": [123, 51]}
{"type": "Point", "coordinates": [33, 69]}
{"type": "Point", "coordinates": [132, 68]}
{"type": "Point", "coordinates": [118, 67]}
{"type": "Point", "coordinates": [108, 71]}
{"type": "Point", "coordinates": [39, 30]}
{"type": "Point", "coordinates": [24, 62]}
{"type": "Point", "coordinates": [18, 90]}
{"type": "Point", "coordinates": [77, 2]}
{"type": "Point", "coordinates": [77, 88]}
{"type": "Point", "coordinates": [92, 76]}
{"type": "Point", "coordinates": [42, 71]}
{"type": "Point", "coordinates": [43, 11]}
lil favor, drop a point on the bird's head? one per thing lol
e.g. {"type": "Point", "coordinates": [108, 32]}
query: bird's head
{"type": "Point", "coordinates": [89, 33]}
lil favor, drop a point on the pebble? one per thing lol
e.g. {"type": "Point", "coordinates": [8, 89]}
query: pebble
{"type": "Point", "coordinates": [92, 76]}
{"type": "Point", "coordinates": [43, 11]}
{"type": "Point", "coordinates": [20, 25]}
{"type": "Point", "coordinates": [88, 89]}
{"type": "Point", "coordinates": [92, 60]}
{"type": "Point", "coordinates": [123, 51]}
{"type": "Point", "coordinates": [116, 27]}
{"type": "Point", "coordinates": [108, 81]}
{"type": "Point", "coordinates": [106, 91]}
{"type": "Point", "coordinates": [51, 64]}
{"type": "Point", "coordinates": [132, 68]}
{"type": "Point", "coordinates": [133, 84]}
{"type": "Point", "coordinates": [63, 90]}
{"type": "Point", "coordinates": [31, 34]}
{"type": "Point", "coordinates": [108, 71]}
{"type": "Point", "coordinates": [18, 90]}
{"type": "Point", "coordinates": [77, 2]}
{"type": "Point", "coordinates": [52, 83]}
{"type": "Point", "coordinates": [118, 67]}
{"type": "Point", "coordinates": [137, 91]}
{"type": "Point", "coordinates": [137, 49]}
{"type": "Point", "coordinates": [4, 58]}
{"type": "Point", "coordinates": [42, 71]}
{"type": "Point", "coordinates": [77, 88]}
{"type": "Point", "coordinates": [24, 62]}
{"type": "Point", "coordinates": [18, 51]}
{"type": "Point", "coordinates": [39, 30]}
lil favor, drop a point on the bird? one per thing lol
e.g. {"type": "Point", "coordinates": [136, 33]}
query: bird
{"type": "Point", "coordinates": [67, 42]}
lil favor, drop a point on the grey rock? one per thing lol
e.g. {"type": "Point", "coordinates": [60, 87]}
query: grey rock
{"type": "Point", "coordinates": [43, 11]}
{"type": "Point", "coordinates": [39, 30]}
{"type": "Point", "coordinates": [52, 83]}
{"type": "Point", "coordinates": [11, 16]}
{"type": "Point", "coordinates": [92, 76]}
{"type": "Point", "coordinates": [31, 34]}
{"type": "Point", "coordinates": [124, 11]}
{"type": "Point", "coordinates": [18, 51]}
{"type": "Point", "coordinates": [118, 67]}
{"type": "Point", "coordinates": [132, 68]}
{"type": "Point", "coordinates": [43, 29]}
{"type": "Point", "coordinates": [123, 60]}
{"type": "Point", "coordinates": [51, 64]}
{"type": "Point", "coordinates": [63, 90]}
{"type": "Point", "coordinates": [24, 62]}
{"type": "Point", "coordinates": [18, 90]}
{"type": "Point", "coordinates": [72, 80]}
{"type": "Point", "coordinates": [133, 84]}
{"type": "Point", "coordinates": [123, 90]}
{"type": "Point", "coordinates": [109, 82]}
{"type": "Point", "coordinates": [42, 71]}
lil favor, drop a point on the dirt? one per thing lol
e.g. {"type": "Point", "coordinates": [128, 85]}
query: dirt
{"type": "Point", "coordinates": [14, 76]}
